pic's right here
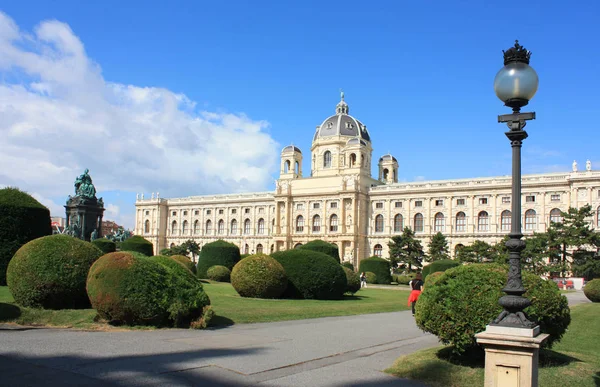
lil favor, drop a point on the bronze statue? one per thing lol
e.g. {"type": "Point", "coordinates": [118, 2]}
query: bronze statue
{"type": "Point", "coordinates": [84, 186]}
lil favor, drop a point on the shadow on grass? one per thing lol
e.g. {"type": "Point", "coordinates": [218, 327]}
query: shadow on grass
{"type": "Point", "coordinates": [472, 358]}
{"type": "Point", "coordinates": [9, 312]}
{"type": "Point", "coordinates": [597, 379]}
{"type": "Point", "coordinates": [549, 358]}
{"type": "Point", "coordinates": [220, 322]}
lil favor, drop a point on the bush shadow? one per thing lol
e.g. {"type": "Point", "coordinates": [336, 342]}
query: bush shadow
{"type": "Point", "coordinates": [9, 312]}
{"type": "Point", "coordinates": [220, 322]}
{"type": "Point", "coordinates": [472, 358]}
{"type": "Point", "coordinates": [549, 358]}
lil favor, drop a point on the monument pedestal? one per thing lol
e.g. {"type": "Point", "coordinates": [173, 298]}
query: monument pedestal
{"type": "Point", "coordinates": [87, 214]}
{"type": "Point", "coordinates": [511, 355]}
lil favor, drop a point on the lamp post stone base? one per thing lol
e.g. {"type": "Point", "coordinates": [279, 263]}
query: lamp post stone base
{"type": "Point", "coordinates": [511, 355]}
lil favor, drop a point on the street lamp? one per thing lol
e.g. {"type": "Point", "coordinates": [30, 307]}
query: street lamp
{"type": "Point", "coordinates": [515, 84]}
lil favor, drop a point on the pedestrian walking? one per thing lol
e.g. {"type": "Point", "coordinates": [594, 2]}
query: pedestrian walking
{"type": "Point", "coordinates": [363, 280]}
{"type": "Point", "coordinates": [416, 285]}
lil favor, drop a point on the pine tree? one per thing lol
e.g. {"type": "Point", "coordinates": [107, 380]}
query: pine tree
{"type": "Point", "coordinates": [438, 248]}
{"type": "Point", "coordinates": [479, 251]}
{"type": "Point", "coordinates": [406, 250]}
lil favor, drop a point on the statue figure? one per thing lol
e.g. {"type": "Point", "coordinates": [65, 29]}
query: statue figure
{"type": "Point", "coordinates": [588, 165]}
{"type": "Point", "coordinates": [101, 202]}
{"type": "Point", "coordinates": [152, 196]}
{"type": "Point", "coordinates": [158, 195]}
{"type": "Point", "coordinates": [84, 187]}
{"type": "Point", "coordinates": [94, 235]}
{"type": "Point", "coordinates": [574, 166]}
{"type": "Point", "coordinates": [137, 196]}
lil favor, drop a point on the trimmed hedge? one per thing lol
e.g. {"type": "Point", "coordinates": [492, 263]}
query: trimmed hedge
{"type": "Point", "coordinates": [138, 244]}
{"type": "Point", "coordinates": [592, 290]}
{"type": "Point", "coordinates": [403, 279]}
{"type": "Point", "coordinates": [186, 261]}
{"type": "Point", "coordinates": [50, 272]}
{"type": "Point", "coordinates": [433, 278]}
{"type": "Point", "coordinates": [323, 247]}
{"type": "Point", "coordinates": [219, 273]}
{"type": "Point", "coordinates": [311, 275]}
{"type": "Point", "coordinates": [441, 265]}
{"type": "Point", "coordinates": [371, 277]}
{"type": "Point", "coordinates": [106, 245]}
{"type": "Point", "coordinates": [463, 300]}
{"type": "Point", "coordinates": [379, 266]}
{"type": "Point", "coordinates": [348, 265]}
{"type": "Point", "coordinates": [217, 253]}
{"type": "Point", "coordinates": [23, 219]}
{"type": "Point", "coordinates": [259, 276]}
{"type": "Point", "coordinates": [353, 281]}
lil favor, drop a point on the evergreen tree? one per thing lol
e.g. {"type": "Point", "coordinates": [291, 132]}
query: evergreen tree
{"type": "Point", "coordinates": [537, 250]}
{"type": "Point", "coordinates": [406, 250]}
{"type": "Point", "coordinates": [438, 248]}
{"type": "Point", "coordinates": [479, 251]}
{"type": "Point", "coordinates": [192, 248]}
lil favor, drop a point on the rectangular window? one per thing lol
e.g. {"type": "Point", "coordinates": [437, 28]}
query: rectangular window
{"type": "Point", "coordinates": [220, 212]}
{"type": "Point", "coordinates": [439, 202]}
{"type": "Point", "coordinates": [207, 212]}
{"type": "Point", "coordinates": [147, 212]}
{"type": "Point", "coordinates": [482, 200]}
{"type": "Point", "coordinates": [184, 212]}
{"type": "Point", "coordinates": [529, 199]}
{"type": "Point", "coordinates": [233, 211]}
{"type": "Point", "coordinates": [246, 211]}
{"type": "Point", "coordinates": [316, 206]}
{"type": "Point", "coordinates": [419, 203]}
{"type": "Point", "coordinates": [379, 205]}
{"type": "Point", "coordinates": [299, 206]}
{"type": "Point", "coordinates": [333, 205]}
{"type": "Point", "coordinates": [196, 212]}
{"type": "Point", "coordinates": [261, 210]}
{"type": "Point", "coordinates": [174, 213]}
{"type": "Point", "coordinates": [460, 202]}
{"type": "Point", "coordinates": [505, 199]}
{"type": "Point", "coordinates": [398, 204]}
{"type": "Point", "coordinates": [555, 198]}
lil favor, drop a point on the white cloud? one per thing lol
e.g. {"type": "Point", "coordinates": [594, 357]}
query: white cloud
{"type": "Point", "coordinates": [62, 116]}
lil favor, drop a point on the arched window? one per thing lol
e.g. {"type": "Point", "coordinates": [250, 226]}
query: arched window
{"type": "Point", "coordinates": [261, 226]}
{"type": "Point", "coordinates": [439, 222]}
{"type": "Point", "coordinates": [296, 168]}
{"type": "Point", "coordinates": [555, 216]}
{"type": "Point", "coordinates": [297, 245]}
{"type": "Point", "coordinates": [174, 228]}
{"type": "Point", "coordinates": [598, 217]}
{"type": "Point", "coordinates": [505, 220]}
{"type": "Point", "coordinates": [530, 220]}
{"type": "Point", "coordinates": [300, 223]}
{"type": "Point", "coordinates": [333, 223]}
{"type": "Point", "coordinates": [327, 159]}
{"type": "Point", "coordinates": [196, 227]}
{"type": "Point", "coordinates": [379, 223]}
{"type": "Point", "coordinates": [221, 227]}
{"type": "Point", "coordinates": [208, 228]}
{"type": "Point", "coordinates": [147, 227]}
{"type": "Point", "coordinates": [385, 173]}
{"type": "Point", "coordinates": [316, 223]}
{"type": "Point", "coordinates": [286, 166]}
{"type": "Point", "coordinates": [172, 245]}
{"type": "Point", "coordinates": [233, 228]}
{"type": "Point", "coordinates": [272, 249]}
{"type": "Point", "coordinates": [259, 248]}
{"type": "Point", "coordinates": [185, 227]}
{"type": "Point", "coordinates": [483, 221]}
{"type": "Point", "coordinates": [398, 226]}
{"type": "Point", "coordinates": [457, 249]}
{"type": "Point", "coordinates": [246, 249]}
{"type": "Point", "coordinates": [418, 223]}
{"type": "Point", "coordinates": [377, 250]}
{"type": "Point", "coordinates": [352, 160]}
{"type": "Point", "coordinates": [247, 226]}
{"type": "Point", "coordinates": [461, 222]}
{"type": "Point", "coordinates": [273, 226]}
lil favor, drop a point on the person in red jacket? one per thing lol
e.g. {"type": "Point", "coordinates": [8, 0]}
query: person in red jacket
{"type": "Point", "coordinates": [416, 285]}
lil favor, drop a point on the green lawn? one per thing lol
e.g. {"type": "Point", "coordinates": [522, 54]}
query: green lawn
{"type": "Point", "coordinates": [575, 361]}
{"type": "Point", "coordinates": [229, 307]}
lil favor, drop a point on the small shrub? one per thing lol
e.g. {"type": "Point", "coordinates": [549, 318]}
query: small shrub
{"type": "Point", "coordinates": [203, 322]}
{"type": "Point", "coordinates": [186, 261]}
{"type": "Point", "coordinates": [311, 274]}
{"type": "Point", "coordinates": [138, 244]}
{"type": "Point", "coordinates": [105, 245]}
{"type": "Point", "coordinates": [323, 247]}
{"type": "Point", "coordinates": [348, 265]}
{"type": "Point", "coordinates": [371, 277]}
{"type": "Point", "coordinates": [259, 276]}
{"type": "Point", "coordinates": [217, 253]}
{"type": "Point", "coordinates": [592, 290]}
{"type": "Point", "coordinates": [441, 265]}
{"type": "Point", "coordinates": [353, 280]}
{"type": "Point", "coordinates": [50, 272]}
{"type": "Point", "coordinates": [219, 273]}
{"type": "Point", "coordinates": [379, 266]}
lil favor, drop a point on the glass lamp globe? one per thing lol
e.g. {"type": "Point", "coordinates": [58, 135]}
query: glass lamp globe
{"type": "Point", "coordinates": [516, 80]}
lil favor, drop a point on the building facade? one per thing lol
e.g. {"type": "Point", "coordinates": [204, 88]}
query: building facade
{"type": "Point", "coordinates": [341, 202]}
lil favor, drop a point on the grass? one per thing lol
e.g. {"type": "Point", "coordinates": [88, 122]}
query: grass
{"type": "Point", "coordinates": [575, 361]}
{"type": "Point", "coordinates": [229, 307]}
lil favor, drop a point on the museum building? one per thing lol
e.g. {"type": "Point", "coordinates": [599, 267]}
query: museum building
{"type": "Point", "coordinates": [343, 204]}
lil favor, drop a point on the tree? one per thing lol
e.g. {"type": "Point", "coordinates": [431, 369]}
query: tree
{"type": "Point", "coordinates": [479, 251]}
{"type": "Point", "coordinates": [405, 249]}
{"type": "Point", "coordinates": [537, 250]}
{"type": "Point", "coordinates": [438, 248]}
{"type": "Point", "coordinates": [186, 248]}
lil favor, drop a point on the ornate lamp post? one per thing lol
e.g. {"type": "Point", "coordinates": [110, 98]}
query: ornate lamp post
{"type": "Point", "coordinates": [515, 84]}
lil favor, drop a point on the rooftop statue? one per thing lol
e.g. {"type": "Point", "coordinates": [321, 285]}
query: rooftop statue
{"type": "Point", "coordinates": [84, 187]}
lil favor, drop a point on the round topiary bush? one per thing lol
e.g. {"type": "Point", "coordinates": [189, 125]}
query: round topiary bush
{"type": "Point", "coordinates": [323, 247]}
{"type": "Point", "coordinates": [217, 253]}
{"type": "Point", "coordinates": [463, 300]}
{"type": "Point", "coordinates": [138, 244]}
{"type": "Point", "coordinates": [348, 265]}
{"type": "Point", "coordinates": [441, 265]}
{"type": "Point", "coordinates": [311, 275]}
{"type": "Point", "coordinates": [371, 277]}
{"type": "Point", "coordinates": [592, 290]}
{"type": "Point", "coordinates": [259, 276]}
{"type": "Point", "coordinates": [186, 261]}
{"type": "Point", "coordinates": [105, 245]}
{"type": "Point", "coordinates": [50, 272]}
{"type": "Point", "coordinates": [219, 273]}
{"type": "Point", "coordinates": [403, 279]}
{"type": "Point", "coordinates": [23, 219]}
{"type": "Point", "coordinates": [379, 266]}
{"type": "Point", "coordinates": [353, 281]}
{"type": "Point", "coordinates": [433, 278]}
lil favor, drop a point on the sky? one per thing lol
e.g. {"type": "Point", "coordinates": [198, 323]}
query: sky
{"type": "Point", "coordinates": [197, 97]}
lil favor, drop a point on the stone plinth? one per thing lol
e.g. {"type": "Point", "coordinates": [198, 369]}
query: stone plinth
{"type": "Point", "coordinates": [511, 355]}
{"type": "Point", "coordinates": [86, 214]}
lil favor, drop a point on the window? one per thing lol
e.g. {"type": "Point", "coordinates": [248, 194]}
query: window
{"type": "Point", "coordinates": [147, 227]}
{"type": "Point", "coordinates": [398, 226]}
{"type": "Point", "coordinates": [196, 227]}
{"type": "Point", "coordinates": [246, 249]}
{"type": "Point", "coordinates": [333, 223]}
{"type": "Point", "coordinates": [461, 222]}
{"type": "Point", "coordinates": [555, 198]}
{"type": "Point", "coordinates": [184, 213]}
{"type": "Point", "coordinates": [555, 216]}
{"type": "Point", "coordinates": [379, 223]}
{"type": "Point", "coordinates": [353, 160]}
{"type": "Point", "coordinates": [174, 228]}
{"type": "Point", "coordinates": [418, 223]}
{"type": "Point", "coordinates": [174, 213]}
{"type": "Point", "coordinates": [233, 227]}
{"type": "Point", "coordinates": [439, 202]}
{"type": "Point", "coordinates": [246, 211]}
{"type": "Point", "coordinates": [530, 220]}
{"type": "Point", "coordinates": [377, 250]}
{"type": "Point", "coordinates": [300, 223]}
{"type": "Point", "coordinates": [505, 220]}
{"type": "Point", "coordinates": [299, 206]}
{"type": "Point", "coordinates": [460, 202]}
{"type": "Point", "coordinates": [220, 212]}
{"type": "Point", "coordinates": [247, 226]}
{"type": "Point", "coordinates": [234, 211]}
{"type": "Point", "coordinates": [147, 212]}
{"type": "Point", "coordinates": [398, 204]}
{"type": "Point", "coordinates": [208, 212]}
{"type": "Point", "coordinates": [327, 159]}
{"type": "Point", "coordinates": [419, 203]}
{"type": "Point", "coordinates": [483, 201]}
{"type": "Point", "coordinates": [505, 199]}
{"type": "Point", "coordinates": [379, 205]}
{"type": "Point", "coordinates": [297, 245]}
{"type": "Point", "coordinates": [185, 227]}
{"type": "Point", "coordinates": [316, 206]}
{"type": "Point", "coordinates": [221, 227]}
{"type": "Point", "coordinates": [483, 221]}
{"type": "Point", "coordinates": [208, 228]}
{"type": "Point", "coordinates": [261, 210]}
{"type": "Point", "coordinates": [316, 226]}
{"type": "Point", "coordinates": [261, 226]}
{"type": "Point", "coordinates": [598, 217]}
{"type": "Point", "coordinates": [333, 205]}
{"type": "Point", "coordinates": [439, 222]}
{"type": "Point", "coordinates": [529, 199]}
{"type": "Point", "coordinates": [196, 212]}
{"type": "Point", "coordinates": [259, 248]}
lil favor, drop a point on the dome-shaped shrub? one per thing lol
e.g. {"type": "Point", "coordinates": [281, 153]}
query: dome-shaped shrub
{"type": "Point", "coordinates": [441, 265]}
{"type": "Point", "coordinates": [432, 278]}
{"type": "Point", "coordinates": [217, 253]}
{"type": "Point", "coordinates": [259, 276]}
{"type": "Point", "coordinates": [22, 219]}
{"type": "Point", "coordinates": [348, 265]}
{"type": "Point", "coordinates": [311, 275]}
{"type": "Point", "coordinates": [371, 277]}
{"type": "Point", "coordinates": [50, 272]}
{"type": "Point", "coordinates": [138, 244]}
{"type": "Point", "coordinates": [379, 266]}
{"type": "Point", "coordinates": [463, 300]}
{"type": "Point", "coordinates": [106, 245]}
{"type": "Point", "coordinates": [186, 261]}
{"type": "Point", "coordinates": [218, 273]}
{"type": "Point", "coordinates": [353, 281]}
{"type": "Point", "coordinates": [323, 247]}
{"type": "Point", "coordinates": [592, 290]}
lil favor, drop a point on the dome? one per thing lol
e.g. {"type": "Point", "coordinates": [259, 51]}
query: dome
{"type": "Point", "coordinates": [356, 141]}
{"type": "Point", "coordinates": [291, 148]}
{"type": "Point", "coordinates": [342, 124]}
{"type": "Point", "coordinates": [388, 157]}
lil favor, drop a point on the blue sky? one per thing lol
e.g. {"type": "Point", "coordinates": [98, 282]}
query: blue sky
{"type": "Point", "coordinates": [418, 74]}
